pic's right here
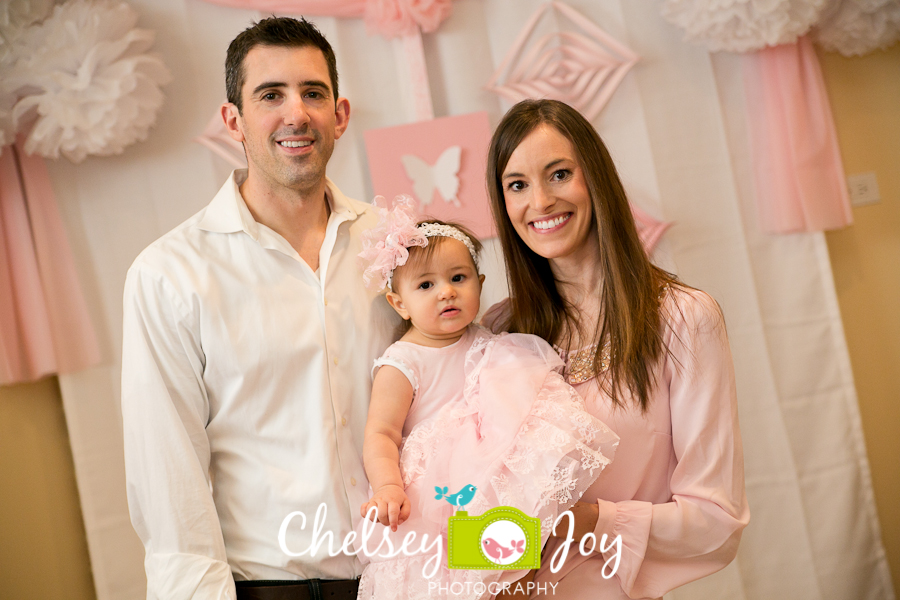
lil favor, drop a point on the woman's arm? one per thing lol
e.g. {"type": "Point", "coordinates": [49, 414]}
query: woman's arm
{"type": "Point", "coordinates": [696, 532]}
{"type": "Point", "coordinates": [392, 395]}
{"type": "Point", "coordinates": [496, 316]}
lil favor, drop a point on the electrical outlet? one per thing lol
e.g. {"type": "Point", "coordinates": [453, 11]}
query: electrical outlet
{"type": "Point", "coordinates": [863, 189]}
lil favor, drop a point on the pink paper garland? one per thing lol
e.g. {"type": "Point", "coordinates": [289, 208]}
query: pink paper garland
{"type": "Point", "coordinates": [649, 229]}
{"type": "Point", "coordinates": [414, 55]}
{"type": "Point", "coordinates": [390, 18]}
{"type": "Point", "coordinates": [321, 8]}
{"type": "Point", "coordinates": [215, 137]}
{"type": "Point", "coordinates": [583, 70]}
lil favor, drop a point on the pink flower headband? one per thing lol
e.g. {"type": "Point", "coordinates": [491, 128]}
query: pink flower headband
{"type": "Point", "coordinates": [386, 246]}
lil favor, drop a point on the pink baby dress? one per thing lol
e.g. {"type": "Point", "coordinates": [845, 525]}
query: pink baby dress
{"type": "Point", "coordinates": [491, 411]}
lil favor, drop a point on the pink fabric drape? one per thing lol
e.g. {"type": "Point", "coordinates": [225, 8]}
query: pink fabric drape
{"type": "Point", "coordinates": [800, 183]}
{"type": "Point", "coordinates": [390, 18]}
{"type": "Point", "coordinates": [44, 323]}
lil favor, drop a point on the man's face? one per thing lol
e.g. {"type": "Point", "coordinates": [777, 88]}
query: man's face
{"type": "Point", "coordinates": [290, 117]}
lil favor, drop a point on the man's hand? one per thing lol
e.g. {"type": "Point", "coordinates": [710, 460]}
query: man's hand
{"type": "Point", "coordinates": [586, 515]}
{"type": "Point", "coordinates": [392, 505]}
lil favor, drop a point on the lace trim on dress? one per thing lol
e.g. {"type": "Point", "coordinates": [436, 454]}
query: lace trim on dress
{"type": "Point", "coordinates": [400, 366]}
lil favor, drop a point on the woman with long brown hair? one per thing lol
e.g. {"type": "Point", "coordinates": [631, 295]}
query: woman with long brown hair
{"type": "Point", "coordinates": [648, 354]}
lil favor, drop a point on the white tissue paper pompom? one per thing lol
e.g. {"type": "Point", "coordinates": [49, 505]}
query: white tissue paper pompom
{"type": "Point", "coordinates": [856, 27]}
{"type": "Point", "coordinates": [93, 89]}
{"type": "Point", "coordinates": [18, 14]}
{"type": "Point", "coordinates": [743, 25]}
{"type": "Point", "coordinates": [15, 17]}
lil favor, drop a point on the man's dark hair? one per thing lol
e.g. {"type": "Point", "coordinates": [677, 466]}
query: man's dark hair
{"type": "Point", "coordinates": [273, 31]}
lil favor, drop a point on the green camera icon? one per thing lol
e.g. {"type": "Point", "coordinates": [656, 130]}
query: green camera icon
{"type": "Point", "coordinates": [503, 538]}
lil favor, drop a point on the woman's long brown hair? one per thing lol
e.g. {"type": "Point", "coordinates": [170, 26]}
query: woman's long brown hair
{"type": "Point", "coordinates": [630, 317]}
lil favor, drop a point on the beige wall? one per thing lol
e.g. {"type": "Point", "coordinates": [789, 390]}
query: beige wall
{"type": "Point", "coordinates": [865, 98]}
{"type": "Point", "coordinates": [43, 551]}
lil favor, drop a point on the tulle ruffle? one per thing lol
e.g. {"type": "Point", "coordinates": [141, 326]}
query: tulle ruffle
{"type": "Point", "coordinates": [520, 434]}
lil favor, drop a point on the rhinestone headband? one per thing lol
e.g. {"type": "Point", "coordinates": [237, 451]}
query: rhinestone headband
{"type": "Point", "coordinates": [438, 230]}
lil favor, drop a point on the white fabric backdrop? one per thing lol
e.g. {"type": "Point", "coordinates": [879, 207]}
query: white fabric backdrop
{"type": "Point", "coordinates": [676, 130]}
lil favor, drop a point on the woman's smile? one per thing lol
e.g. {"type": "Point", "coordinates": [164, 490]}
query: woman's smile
{"type": "Point", "coordinates": [547, 198]}
{"type": "Point", "coordinates": [550, 224]}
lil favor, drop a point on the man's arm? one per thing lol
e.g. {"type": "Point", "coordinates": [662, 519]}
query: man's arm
{"type": "Point", "coordinates": [165, 410]}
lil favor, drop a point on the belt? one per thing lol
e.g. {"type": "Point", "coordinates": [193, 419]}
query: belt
{"type": "Point", "coordinates": [308, 589]}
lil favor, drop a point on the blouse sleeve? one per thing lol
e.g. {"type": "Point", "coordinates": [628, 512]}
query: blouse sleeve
{"type": "Point", "coordinates": [697, 532]}
{"type": "Point", "coordinates": [495, 316]}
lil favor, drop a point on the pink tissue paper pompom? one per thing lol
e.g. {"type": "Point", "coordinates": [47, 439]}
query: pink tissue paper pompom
{"type": "Point", "coordinates": [394, 18]}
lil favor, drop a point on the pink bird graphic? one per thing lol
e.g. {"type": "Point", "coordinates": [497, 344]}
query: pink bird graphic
{"type": "Point", "coordinates": [499, 552]}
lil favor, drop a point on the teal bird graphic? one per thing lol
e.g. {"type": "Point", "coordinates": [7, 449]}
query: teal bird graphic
{"type": "Point", "coordinates": [459, 499]}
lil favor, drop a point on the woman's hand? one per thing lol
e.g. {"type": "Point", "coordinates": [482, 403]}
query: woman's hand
{"type": "Point", "coordinates": [586, 515]}
{"type": "Point", "coordinates": [392, 504]}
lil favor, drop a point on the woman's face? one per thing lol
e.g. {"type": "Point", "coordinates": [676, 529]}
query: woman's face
{"type": "Point", "coordinates": [547, 198]}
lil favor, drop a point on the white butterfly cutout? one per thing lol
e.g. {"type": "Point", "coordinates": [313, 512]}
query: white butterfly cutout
{"type": "Point", "coordinates": [442, 175]}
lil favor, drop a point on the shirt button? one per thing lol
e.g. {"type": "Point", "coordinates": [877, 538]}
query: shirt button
{"type": "Point", "coordinates": [352, 481]}
{"type": "Point", "coordinates": [326, 301]}
{"type": "Point", "coordinates": [335, 360]}
{"type": "Point", "coordinates": [344, 422]}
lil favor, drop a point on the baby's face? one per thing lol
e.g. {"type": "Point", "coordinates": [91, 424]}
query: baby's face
{"type": "Point", "coordinates": [441, 296]}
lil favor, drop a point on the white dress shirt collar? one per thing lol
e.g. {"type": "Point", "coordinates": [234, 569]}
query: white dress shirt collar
{"type": "Point", "coordinates": [228, 212]}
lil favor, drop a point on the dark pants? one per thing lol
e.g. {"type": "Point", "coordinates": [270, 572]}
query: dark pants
{"type": "Point", "coordinates": [309, 589]}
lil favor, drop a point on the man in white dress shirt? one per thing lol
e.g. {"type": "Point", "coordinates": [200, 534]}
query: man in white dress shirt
{"type": "Point", "coordinates": [248, 343]}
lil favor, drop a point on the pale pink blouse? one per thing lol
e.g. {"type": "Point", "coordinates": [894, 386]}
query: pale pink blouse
{"type": "Point", "coordinates": [675, 489]}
